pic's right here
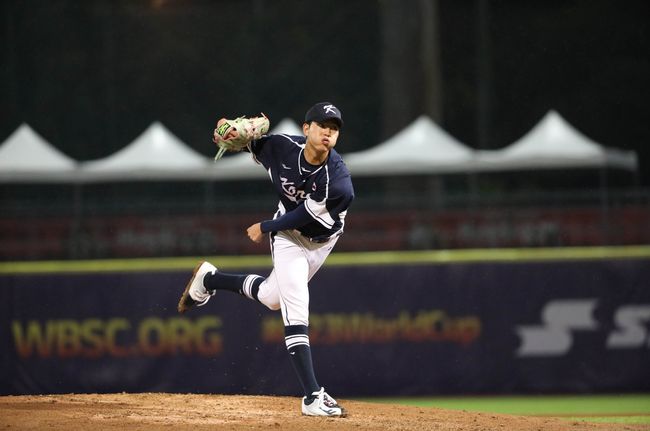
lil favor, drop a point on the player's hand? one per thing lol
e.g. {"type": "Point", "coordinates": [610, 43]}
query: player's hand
{"type": "Point", "coordinates": [235, 135]}
{"type": "Point", "coordinates": [255, 232]}
{"type": "Point", "coordinates": [229, 134]}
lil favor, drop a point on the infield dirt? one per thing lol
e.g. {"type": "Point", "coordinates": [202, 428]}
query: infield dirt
{"type": "Point", "coordinates": [155, 411]}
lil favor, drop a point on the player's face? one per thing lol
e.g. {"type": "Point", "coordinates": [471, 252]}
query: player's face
{"type": "Point", "coordinates": [322, 136]}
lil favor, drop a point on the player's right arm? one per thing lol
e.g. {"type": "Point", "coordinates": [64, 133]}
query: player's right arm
{"type": "Point", "coordinates": [293, 219]}
{"type": "Point", "coordinates": [255, 232]}
{"type": "Point", "coordinates": [297, 217]}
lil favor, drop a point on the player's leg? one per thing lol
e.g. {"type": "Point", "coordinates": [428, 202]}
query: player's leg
{"type": "Point", "coordinates": [245, 284]}
{"type": "Point", "coordinates": [251, 286]}
{"type": "Point", "coordinates": [206, 280]}
{"type": "Point", "coordinates": [296, 260]}
{"type": "Point", "coordinates": [318, 254]}
{"type": "Point", "coordinates": [289, 280]}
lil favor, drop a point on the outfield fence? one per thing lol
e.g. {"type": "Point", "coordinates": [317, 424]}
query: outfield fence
{"type": "Point", "coordinates": [417, 323]}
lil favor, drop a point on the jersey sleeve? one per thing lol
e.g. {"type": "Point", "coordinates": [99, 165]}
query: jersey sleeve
{"type": "Point", "coordinates": [293, 219]}
{"type": "Point", "coordinates": [271, 147]}
{"type": "Point", "coordinates": [258, 147]}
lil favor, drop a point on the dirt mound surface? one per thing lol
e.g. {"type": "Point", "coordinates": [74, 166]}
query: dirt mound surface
{"type": "Point", "coordinates": [154, 411]}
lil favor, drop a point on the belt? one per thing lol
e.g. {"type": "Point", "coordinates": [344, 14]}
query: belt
{"type": "Point", "coordinates": [314, 240]}
{"type": "Point", "coordinates": [318, 240]}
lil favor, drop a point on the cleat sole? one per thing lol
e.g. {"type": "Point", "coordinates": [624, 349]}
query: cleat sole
{"type": "Point", "coordinates": [186, 302]}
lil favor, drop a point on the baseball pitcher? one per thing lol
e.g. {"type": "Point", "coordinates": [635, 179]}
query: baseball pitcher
{"type": "Point", "coordinates": [315, 190]}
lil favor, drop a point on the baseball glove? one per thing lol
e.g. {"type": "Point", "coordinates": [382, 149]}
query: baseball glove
{"type": "Point", "coordinates": [235, 135]}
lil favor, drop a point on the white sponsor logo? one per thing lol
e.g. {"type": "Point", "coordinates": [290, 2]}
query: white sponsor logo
{"type": "Point", "coordinates": [561, 319]}
{"type": "Point", "coordinates": [554, 337]}
{"type": "Point", "coordinates": [631, 332]}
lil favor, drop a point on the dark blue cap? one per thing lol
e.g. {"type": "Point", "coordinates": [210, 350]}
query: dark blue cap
{"type": "Point", "coordinates": [323, 111]}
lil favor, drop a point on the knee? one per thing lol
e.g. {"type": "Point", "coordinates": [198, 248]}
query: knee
{"type": "Point", "coordinates": [275, 306]}
{"type": "Point", "coordinates": [269, 296]}
{"type": "Point", "coordinates": [271, 301]}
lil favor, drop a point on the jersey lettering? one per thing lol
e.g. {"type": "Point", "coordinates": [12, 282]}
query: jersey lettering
{"type": "Point", "coordinates": [291, 192]}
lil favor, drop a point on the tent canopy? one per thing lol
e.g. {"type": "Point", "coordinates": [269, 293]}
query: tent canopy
{"type": "Point", "coordinates": [25, 156]}
{"type": "Point", "coordinates": [240, 166]}
{"type": "Point", "coordinates": [287, 127]}
{"type": "Point", "coordinates": [554, 144]}
{"type": "Point", "coordinates": [421, 148]}
{"type": "Point", "coordinates": [155, 154]}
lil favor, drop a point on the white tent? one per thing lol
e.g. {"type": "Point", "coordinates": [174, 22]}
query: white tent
{"type": "Point", "coordinates": [421, 148]}
{"type": "Point", "coordinates": [286, 127]}
{"type": "Point", "coordinates": [155, 155]}
{"type": "Point", "coordinates": [239, 166]}
{"type": "Point", "coordinates": [554, 144]}
{"type": "Point", "coordinates": [25, 157]}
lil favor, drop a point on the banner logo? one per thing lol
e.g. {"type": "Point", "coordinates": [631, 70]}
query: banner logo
{"type": "Point", "coordinates": [562, 320]}
{"type": "Point", "coordinates": [632, 332]}
{"type": "Point", "coordinates": [345, 328]}
{"type": "Point", "coordinates": [117, 337]}
{"type": "Point", "coordinates": [555, 336]}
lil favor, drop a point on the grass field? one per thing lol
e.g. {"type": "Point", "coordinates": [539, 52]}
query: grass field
{"type": "Point", "coordinates": [632, 409]}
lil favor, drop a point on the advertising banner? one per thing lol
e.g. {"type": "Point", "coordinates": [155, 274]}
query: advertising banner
{"type": "Point", "coordinates": [535, 327]}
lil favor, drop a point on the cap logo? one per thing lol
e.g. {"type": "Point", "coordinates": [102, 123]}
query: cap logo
{"type": "Point", "coordinates": [330, 109]}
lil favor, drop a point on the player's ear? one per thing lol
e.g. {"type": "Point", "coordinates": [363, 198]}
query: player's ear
{"type": "Point", "coordinates": [305, 129]}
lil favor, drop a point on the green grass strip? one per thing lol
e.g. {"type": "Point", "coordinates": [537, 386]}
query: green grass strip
{"type": "Point", "coordinates": [632, 420]}
{"type": "Point", "coordinates": [336, 259]}
{"type": "Point", "coordinates": [566, 405]}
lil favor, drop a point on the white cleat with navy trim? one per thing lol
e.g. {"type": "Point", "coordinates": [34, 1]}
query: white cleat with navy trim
{"type": "Point", "coordinates": [195, 293]}
{"type": "Point", "coordinates": [321, 404]}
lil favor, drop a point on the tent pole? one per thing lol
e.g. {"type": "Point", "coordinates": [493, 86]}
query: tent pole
{"type": "Point", "coordinates": [604, 206]}
{"type": "Point", "coordinates": [208, 201]}
{"type": "Point", "coordinates": [74, 247]}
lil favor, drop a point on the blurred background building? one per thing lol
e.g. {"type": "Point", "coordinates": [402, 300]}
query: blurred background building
{"type": "Point", "coordinates": [89, 78]}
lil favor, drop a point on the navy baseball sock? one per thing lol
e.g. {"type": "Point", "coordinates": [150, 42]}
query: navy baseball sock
{"type": "Point", "coordinates": [244, 284]}
{"type": "Point", "coordinates": [297, 339]}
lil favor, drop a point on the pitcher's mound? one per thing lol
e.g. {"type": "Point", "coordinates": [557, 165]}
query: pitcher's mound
{"type": "Point", "coordinates": [154, 411]}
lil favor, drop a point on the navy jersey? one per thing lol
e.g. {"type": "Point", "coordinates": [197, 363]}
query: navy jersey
{"type": "Point", "coordinates": [325, 191]}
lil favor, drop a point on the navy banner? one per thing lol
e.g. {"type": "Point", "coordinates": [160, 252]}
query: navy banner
{"type": "Point", "coordinates": [542, 327]}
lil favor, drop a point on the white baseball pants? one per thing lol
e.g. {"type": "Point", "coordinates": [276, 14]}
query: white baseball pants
{"type": "Point", "coordinates": [295, 261]}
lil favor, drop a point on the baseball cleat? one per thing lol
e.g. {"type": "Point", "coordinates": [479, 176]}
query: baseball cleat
{"type": "Point", "coordinates": [321, 404]}
{"type": "Point", "coordinates": [195, 294]}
